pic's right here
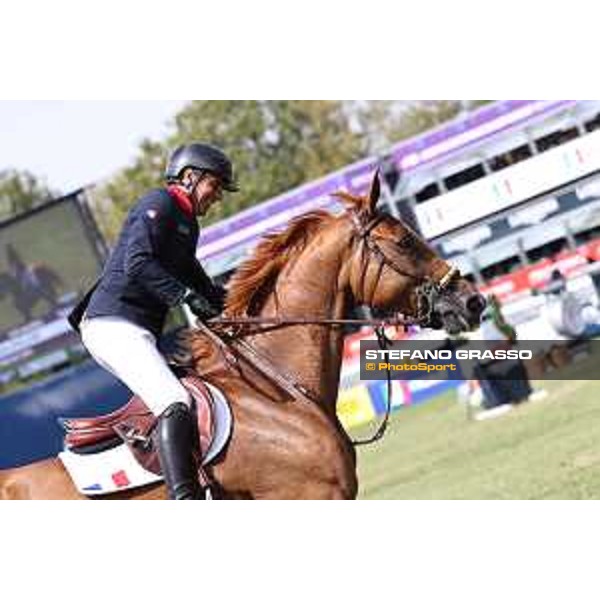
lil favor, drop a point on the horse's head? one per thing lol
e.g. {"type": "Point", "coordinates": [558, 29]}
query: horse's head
{"type": "Point", "coordinates": [392, 268]}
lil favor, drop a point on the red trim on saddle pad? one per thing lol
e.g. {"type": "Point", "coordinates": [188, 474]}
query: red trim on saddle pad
{"type": "Point", "coordinates": [120, 479]}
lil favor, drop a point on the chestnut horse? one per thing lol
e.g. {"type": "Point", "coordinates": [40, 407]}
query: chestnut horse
{"type": "Point", "coordinates": [287, 445]}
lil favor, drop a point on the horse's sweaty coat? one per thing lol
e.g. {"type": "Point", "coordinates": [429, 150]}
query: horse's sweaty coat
{"type": "Point", "coordinates": [320, 267]}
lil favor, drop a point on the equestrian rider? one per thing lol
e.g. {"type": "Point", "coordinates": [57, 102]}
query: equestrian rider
{"type": "Point", "coordinates": [151, 269]}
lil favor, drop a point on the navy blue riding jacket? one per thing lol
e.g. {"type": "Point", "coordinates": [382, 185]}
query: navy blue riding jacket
{"type": "Point", "coordinates": [151, 267]}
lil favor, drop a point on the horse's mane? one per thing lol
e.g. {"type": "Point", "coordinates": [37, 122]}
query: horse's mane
{"type": "Point", "coordinates": [254, 279]}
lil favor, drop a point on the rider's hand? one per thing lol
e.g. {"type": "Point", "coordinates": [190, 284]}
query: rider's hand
{"type": "Point", "coordinates": [200, 306]}
{"type": "Point", "coordinates": [216, 296]}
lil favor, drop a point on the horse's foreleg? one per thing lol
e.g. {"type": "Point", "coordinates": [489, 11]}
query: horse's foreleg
{"type": "Point", "coordinates": [315, 489]}
{"type": "Point", "coordinates": [323, 471]}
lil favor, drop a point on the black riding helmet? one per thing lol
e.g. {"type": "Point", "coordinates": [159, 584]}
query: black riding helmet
{"type": "Point", "coordinates": [203, 157]}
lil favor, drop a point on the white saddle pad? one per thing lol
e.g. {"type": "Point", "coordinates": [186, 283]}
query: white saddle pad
{"type": "Point", "coordinates": [117, 470]}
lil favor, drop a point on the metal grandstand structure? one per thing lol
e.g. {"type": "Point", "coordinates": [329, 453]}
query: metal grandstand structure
{"type": "Point", "coordinates": [473, 187]}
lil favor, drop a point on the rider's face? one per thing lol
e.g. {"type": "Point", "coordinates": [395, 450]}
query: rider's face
{"type": "Point", "coordinates": [208, 191]}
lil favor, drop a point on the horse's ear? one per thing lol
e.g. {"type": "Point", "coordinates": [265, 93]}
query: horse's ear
{"type": "Point", "coordinates": [374, 193]}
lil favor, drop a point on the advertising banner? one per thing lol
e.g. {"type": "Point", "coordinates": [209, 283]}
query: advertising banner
{"type": "Point", "coordinates": [511, 186]}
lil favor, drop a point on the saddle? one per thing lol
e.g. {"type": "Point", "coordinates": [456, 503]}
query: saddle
{"type": "Point", "coordinates": [133, 425]}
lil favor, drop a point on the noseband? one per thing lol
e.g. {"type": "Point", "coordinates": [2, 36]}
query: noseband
{"type": "Point", "coordinates": [428, 289]}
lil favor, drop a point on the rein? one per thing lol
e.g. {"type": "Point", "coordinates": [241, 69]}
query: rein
{"type": "Point", "coordinates": [287, 380]}
{"type": "Point", "coordinates": [383, 341]}
{"type": "Point", "coordinates": [249, 325]}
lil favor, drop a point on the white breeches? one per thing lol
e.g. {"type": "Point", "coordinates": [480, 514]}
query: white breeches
{"type": "Point", "coordinates": [129, 352]}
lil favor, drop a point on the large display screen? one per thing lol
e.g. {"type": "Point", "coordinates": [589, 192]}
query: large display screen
{"type": "Point", "coordinates": [48, 259]}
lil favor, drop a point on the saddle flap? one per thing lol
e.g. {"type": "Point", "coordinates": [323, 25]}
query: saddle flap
{"type": "Point", "coordinates": [204, 408]}
{"type": "Point", "coordinates": [133, 424]}
{"type": "Point", "coordinates": [137, 433]}
{"type": "Point", "coordinates": [110, 468]}
{"type": "Point", "coordinates": [135, 406]}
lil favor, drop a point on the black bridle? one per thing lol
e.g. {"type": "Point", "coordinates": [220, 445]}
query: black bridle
{"type": "Point", "coordinates": [428, 289]}
{"type": "Point", "coordinates": [427, 292]}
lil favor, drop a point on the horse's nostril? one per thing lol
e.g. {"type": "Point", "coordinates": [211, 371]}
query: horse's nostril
{"type": "Point", "coordinates": [476, 304]}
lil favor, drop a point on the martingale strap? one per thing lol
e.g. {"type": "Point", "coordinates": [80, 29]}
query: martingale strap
{"type": "Point", "coordinates": [384, 342]}
{"type": "Point", "coordinates": [288, 381]}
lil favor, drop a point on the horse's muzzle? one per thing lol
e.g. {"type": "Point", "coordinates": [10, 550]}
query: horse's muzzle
{"type": "Point", "coordinates": [475, 306]}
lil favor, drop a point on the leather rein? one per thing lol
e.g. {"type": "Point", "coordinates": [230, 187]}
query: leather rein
{"type": "Point", "coordinates": [232, 330]}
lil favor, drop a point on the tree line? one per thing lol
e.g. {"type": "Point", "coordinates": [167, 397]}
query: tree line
{"type": "Point", "coordinates": [275, 145]}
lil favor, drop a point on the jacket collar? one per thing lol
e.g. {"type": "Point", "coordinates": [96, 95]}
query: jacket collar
{"type": "Point", "coordinates": [183, 201]}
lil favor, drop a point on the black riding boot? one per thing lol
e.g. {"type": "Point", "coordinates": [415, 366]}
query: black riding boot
{"type": "Point", "coordinates": [176, 438]}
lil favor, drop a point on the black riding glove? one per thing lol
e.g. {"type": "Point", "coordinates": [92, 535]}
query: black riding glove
{"type": "Point", "coordinates": [217, 296]}
{"type": "Point", "coordinates": [200, 306]}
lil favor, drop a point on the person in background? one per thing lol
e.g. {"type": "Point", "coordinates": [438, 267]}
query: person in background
{"type": "Point", "coordinates": [494, 326]}
{"type": "Point", "coordinates": [500, 389]}
{"type": "Point", "coordinates": [557, 284]}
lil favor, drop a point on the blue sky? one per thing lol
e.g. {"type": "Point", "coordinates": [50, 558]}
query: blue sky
{"type": "Point", "coordinates": [73, 143]}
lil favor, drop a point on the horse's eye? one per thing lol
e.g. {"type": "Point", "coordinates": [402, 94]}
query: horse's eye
{"type": "Point", "coordinates": [406, 242]}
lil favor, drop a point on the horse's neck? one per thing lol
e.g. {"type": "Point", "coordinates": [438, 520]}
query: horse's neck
{"type": "Point", "coordinates": [312, 286]}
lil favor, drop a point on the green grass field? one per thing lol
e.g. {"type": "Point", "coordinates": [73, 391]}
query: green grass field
{"type": "Point", "coordinates": [543, 450]}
